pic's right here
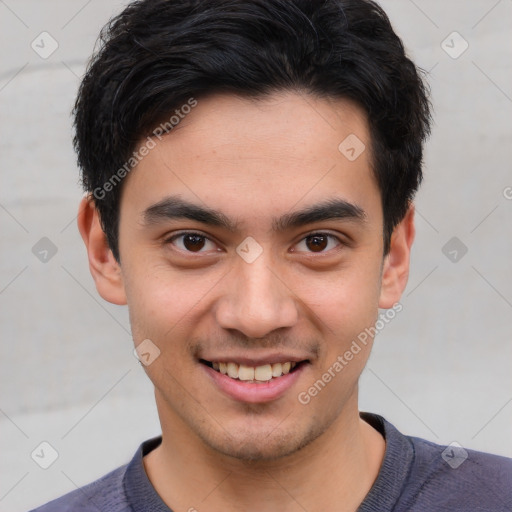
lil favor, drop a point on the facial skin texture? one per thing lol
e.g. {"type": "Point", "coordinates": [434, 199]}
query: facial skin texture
{"type": "Point", "coordinates": [255, 160]}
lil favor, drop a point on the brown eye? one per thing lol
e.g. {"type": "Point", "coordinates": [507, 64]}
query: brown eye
{"type": "Point", "coordinates": [191, 242]}
{"type": "Point", "coordinates": [318, 243]}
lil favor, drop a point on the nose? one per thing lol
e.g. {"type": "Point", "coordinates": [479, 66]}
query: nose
{"type": "Point", "coordinates": [256, 300]}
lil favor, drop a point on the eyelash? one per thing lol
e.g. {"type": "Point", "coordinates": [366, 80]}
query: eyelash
{"type": "Point", "coordinates": [184, 233]}
{"type": "Point", "coordinates": [309, 235]}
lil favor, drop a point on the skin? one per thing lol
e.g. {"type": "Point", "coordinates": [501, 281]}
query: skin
{"type": "Point", "coordinates": [254, 160]}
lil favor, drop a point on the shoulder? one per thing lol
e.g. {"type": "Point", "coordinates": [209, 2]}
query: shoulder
{"type": "Point", "coordinates": [454, 478]}
{"type": "Point", "coordinates": [105, 493]}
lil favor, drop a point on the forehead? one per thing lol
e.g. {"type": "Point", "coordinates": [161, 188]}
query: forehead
{"type": "Point", "coordinates": [259, 157]}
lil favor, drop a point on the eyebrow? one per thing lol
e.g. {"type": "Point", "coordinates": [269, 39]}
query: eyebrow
{"type": "Point", "coordinates": [331, 209]}
{"type": "Point", "coordinates": [175, 207]}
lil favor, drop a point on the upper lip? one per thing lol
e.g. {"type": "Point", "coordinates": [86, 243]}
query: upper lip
{"type": "Point", "coordinates": [255, 360]}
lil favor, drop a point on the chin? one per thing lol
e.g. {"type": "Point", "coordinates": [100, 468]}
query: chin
{"type": "Point", "coordinates": [264, 444]}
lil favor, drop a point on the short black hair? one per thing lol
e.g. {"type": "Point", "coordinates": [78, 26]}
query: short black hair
{"type": "Point", "coordinates": [158, 55]}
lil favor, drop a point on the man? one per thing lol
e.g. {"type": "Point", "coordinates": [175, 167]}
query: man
{"type": "Point", "coordinates": [250, 168]}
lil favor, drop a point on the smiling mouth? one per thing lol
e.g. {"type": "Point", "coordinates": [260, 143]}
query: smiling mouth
{"type": "Point", "coordinates": [263, 373]}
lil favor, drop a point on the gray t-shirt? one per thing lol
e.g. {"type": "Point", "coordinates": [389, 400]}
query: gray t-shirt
{"type": "Point", "coordinates": [416, 476]}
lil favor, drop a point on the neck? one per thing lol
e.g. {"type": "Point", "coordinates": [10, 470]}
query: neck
{"type": "Point", "coordinates": [334, 472]}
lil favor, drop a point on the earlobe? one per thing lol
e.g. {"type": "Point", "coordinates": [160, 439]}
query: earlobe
{"type": "Point", "coordinates": [395, 272]}
{"type": "Point", "coordinates": [103, 266]}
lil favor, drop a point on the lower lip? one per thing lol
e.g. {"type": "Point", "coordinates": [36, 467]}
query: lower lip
{"type": "Point", "coordinates": [252, 392]}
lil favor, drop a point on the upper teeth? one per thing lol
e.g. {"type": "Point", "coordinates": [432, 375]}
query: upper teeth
{"type": "Point", "coordinates": [261, 373]}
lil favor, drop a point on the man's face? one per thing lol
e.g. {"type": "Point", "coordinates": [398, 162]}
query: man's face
{"type": "Point", "coordinates": [263, 290]}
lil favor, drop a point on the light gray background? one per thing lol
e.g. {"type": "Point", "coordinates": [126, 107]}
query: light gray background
{"type": "Point", "coordinates": [440, 369]}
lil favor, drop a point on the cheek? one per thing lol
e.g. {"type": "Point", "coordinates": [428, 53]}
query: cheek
{"type": "Point", "coordinates": [162, 301]}
{"type": "Point", "coordinates": [346, 301]}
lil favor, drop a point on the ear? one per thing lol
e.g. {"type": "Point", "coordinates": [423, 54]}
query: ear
{"type": "Point", "coordinates": [104, 268]}
{"type": "Point", "coordinates": [395, 271]}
